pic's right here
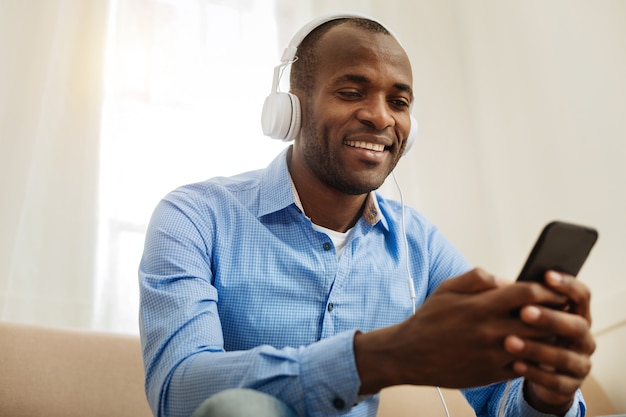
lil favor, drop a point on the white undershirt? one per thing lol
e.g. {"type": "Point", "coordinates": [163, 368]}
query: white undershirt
{"type": "Point", "coordinates": [339, 239]}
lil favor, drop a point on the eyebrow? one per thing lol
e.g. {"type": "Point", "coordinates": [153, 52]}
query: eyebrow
{"type": "Point", "coordinates": [361, 79]}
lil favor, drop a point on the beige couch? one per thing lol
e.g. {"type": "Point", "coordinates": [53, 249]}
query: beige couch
{"type": "Point", "coordinates": [64, 373]}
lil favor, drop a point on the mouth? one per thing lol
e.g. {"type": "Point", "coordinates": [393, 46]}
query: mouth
{"type": "Point", "coordinates": [376, 147]}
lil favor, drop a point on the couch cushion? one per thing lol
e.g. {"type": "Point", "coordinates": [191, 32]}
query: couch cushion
{"type": "Point", "coordinates": [67, 373]}
{"type": "Point", "coordinates": [410, 401]}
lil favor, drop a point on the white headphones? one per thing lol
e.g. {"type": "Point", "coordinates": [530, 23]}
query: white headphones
{"type": "Point", "coordinates": [281, 111]}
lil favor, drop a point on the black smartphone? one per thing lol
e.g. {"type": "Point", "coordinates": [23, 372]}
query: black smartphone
{"type": "Point", "coordinates": [561, 247]}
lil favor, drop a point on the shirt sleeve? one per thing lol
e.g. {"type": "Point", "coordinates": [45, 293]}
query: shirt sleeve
{"type": "Point", "coordinates": [182, 341]}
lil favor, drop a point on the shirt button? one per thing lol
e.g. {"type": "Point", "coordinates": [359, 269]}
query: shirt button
{"type": "Point", "coordinates": [330, 306]}
{"type": "Point", "coordinates": [327, 246]}
{"type": "Point", "coordinates": [338, 403]}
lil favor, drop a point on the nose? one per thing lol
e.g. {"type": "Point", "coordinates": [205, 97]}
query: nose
{"type": "Point", "coordinates": [376, 114]}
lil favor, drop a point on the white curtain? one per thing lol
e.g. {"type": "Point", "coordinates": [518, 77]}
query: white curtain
{"type": "Point", "coordinates": [185, 84]}
{"type": "Point", "coordinates": [51, 60]}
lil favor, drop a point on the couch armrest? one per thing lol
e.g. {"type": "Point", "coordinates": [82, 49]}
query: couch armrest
{"type": "Point", "coordinates": [68, 373]}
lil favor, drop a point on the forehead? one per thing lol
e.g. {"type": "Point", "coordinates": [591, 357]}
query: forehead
{"type": "Point", "coordinates": [349, 49]}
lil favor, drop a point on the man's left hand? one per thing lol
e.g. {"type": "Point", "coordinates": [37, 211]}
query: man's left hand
{"type": "Point", "coordinates": [554, 369]}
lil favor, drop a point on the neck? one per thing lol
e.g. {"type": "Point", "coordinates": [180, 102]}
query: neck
{"type": "Point", "coordinates": [324, 205]}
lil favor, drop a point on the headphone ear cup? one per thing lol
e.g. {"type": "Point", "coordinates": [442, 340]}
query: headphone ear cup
{"type": "Point", "coordinates": [281, 116]}
{"type": "Point", "coordinates": [410, 140]}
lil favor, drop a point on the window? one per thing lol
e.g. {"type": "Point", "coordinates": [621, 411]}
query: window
{"type": "Point", "coordinates": [185, 84]}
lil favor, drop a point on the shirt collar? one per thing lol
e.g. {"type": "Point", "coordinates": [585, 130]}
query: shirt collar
{"type": "Point", "coordinates": [278, 191]}
{"type": "Point", "coordinates": [275, 186]}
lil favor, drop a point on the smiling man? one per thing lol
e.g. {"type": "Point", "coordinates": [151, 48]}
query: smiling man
{"type": "Point", "coordinates": [289, 284]}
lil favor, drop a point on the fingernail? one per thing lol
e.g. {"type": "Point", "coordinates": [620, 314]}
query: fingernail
{"type": "Point", "coordinates": [520, 367]}
{"type": "Point", "coordinates": [515, 343]}
{"type": "Point", "coordinates": [531, 313]}
{"type": "Point", "coordinates": [502, 282]}
{"type": "Point", "coordinates": [554, 278]}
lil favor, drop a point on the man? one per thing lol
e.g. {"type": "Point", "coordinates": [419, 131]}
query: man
{"type": "Point", "coordinates": [292, 280]}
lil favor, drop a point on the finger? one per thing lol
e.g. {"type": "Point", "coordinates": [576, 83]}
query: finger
{"type": "Point", "coordinates": [569, 328]}
{"type": "Point", "coordinates": [515, 296]}
{"type": "Point", "coordinates": [549, 358]}
{"type": "Point", "coordinates": [476, 280]}
{"type": "Point", "coordinates": [561, 386]}
{"type": "Point", "coordinates": [578, 293]}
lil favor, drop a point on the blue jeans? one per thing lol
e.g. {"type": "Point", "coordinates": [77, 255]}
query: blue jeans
{"type": "Point", "coordinates": [243, 402]}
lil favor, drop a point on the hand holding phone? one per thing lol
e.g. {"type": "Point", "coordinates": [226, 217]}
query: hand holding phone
{"type": "Point", "coordinates": [561, 247]}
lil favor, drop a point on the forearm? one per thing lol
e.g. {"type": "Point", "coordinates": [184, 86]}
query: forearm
{"type": "Point", "coordinates": [314, 380]}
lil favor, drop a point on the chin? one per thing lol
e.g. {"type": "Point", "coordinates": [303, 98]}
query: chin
{"type": "Point", "coordinates": [359, 188]}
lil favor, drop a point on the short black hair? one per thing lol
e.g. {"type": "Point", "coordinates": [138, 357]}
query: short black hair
{"type": "Point", "coordinates": [303, 69]}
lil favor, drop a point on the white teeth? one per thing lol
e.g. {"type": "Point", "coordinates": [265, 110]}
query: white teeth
{"type": "Point", "coordinates": [366, 145]}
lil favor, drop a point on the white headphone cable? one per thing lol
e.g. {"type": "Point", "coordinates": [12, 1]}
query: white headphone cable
{"type": "Point", "coordinates": [504, 399]}
{"type": "Point", "coordinates": [408, 271]}
{"type": "Point", "coordinates": [406, 246]}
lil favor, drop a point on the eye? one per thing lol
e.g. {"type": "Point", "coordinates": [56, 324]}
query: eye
{"type": "Point", "coordinates": [401, 103]}
{"type": "Point", "coordinates": [349, 94]}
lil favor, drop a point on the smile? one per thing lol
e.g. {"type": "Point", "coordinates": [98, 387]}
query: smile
{"type": "Point", "coordinates": [377, 147]}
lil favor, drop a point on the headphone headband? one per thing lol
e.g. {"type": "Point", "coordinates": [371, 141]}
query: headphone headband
{"type": "Point", "coordinates": [289, 53]}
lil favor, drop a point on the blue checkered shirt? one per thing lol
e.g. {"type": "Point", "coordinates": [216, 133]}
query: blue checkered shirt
{"type": "Point", "coordinates": [239, 290]}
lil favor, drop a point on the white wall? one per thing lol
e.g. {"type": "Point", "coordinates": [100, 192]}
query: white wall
{"type": "Point", "coordinates": [547, 91]}
{"type": "Point", "coordinates": [522, 109]}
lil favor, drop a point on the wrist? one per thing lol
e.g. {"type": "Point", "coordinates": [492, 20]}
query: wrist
{"type": "Point", "coordinates": [374, 362]}
{"type": "Point", "coordinates": [539, 404]}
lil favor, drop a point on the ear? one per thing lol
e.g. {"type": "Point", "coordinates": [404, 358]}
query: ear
{"type": "Point", "coordinates": [281, 114]}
